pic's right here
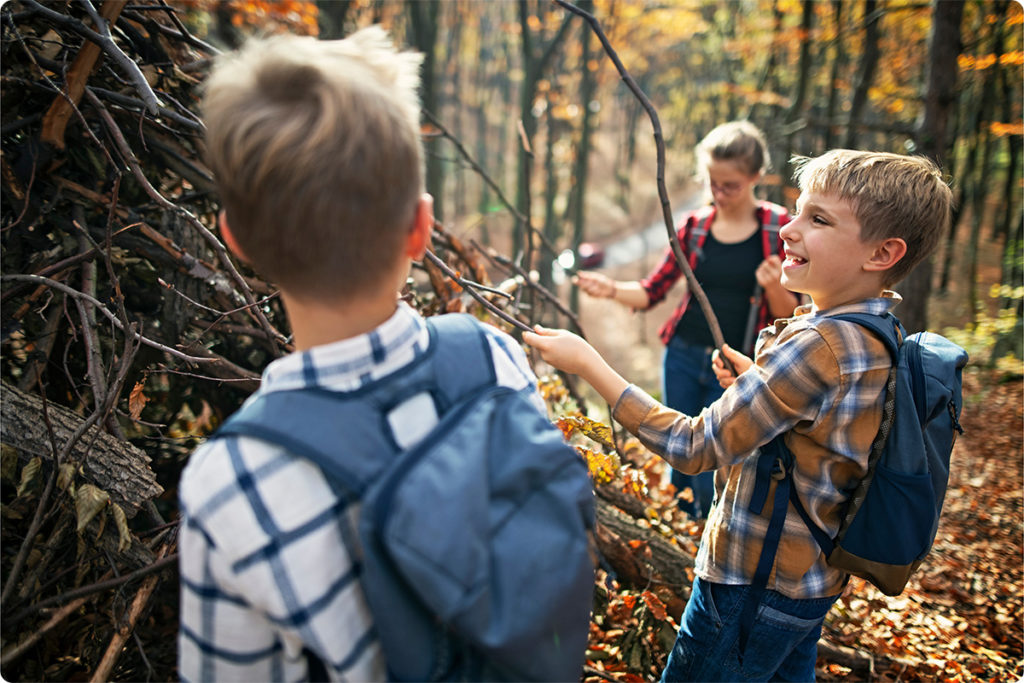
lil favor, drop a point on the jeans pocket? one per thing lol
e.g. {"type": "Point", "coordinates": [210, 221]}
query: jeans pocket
{"type": "Point", "coordinates": [774, 638]}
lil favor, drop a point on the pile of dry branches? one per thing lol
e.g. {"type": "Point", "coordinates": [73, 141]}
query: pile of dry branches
{"type": "Point", "coordinates": [129, 332]}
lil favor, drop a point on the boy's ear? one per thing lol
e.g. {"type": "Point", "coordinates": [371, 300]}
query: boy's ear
{"type": "Point", "coordinates": [228, 236]}
{"type": "Point", "coordinates": [887, 253]}
{"type": "Point", "coordinates": [419, 233]}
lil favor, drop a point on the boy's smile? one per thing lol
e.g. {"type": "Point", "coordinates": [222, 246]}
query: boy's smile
{"type": "Point", "coordinates": [824, 253]}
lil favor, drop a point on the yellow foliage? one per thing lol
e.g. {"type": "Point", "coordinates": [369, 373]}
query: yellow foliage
{"type": "Point", "coordinates": [603, 467]}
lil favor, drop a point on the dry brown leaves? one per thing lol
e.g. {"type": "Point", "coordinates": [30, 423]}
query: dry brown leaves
{"type": "Point", "coordinates": [962, 616]}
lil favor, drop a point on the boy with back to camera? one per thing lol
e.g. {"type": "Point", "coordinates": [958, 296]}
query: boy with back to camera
{"type": "Point", "coordinates": [864, 221]}
{"type": "Point", "coordinates": [316, 149]}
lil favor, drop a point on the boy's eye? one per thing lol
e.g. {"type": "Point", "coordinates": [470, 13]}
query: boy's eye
{"type": "Point", "coordinates": [819, 219]}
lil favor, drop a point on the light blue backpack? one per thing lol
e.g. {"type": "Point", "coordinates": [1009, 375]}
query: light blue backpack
{"type": "Point", "coordinates": [474, 543]}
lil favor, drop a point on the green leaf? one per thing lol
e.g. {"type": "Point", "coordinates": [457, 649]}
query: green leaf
{"type": "Point", "coordinates": [89, 500]}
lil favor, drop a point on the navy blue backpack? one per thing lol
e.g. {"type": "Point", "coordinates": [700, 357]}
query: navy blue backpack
{"type": "Point", "coordinates": [474, 543]}
{"type": "Point", "coordinates": [893, 513]}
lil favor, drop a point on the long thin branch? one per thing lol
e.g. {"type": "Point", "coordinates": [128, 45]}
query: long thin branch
{"type": "Point", "coordinates": [470, 287]}
{"type": "Point", "coordinates": [71, 291]}
{"type": "Point", "coordinates": [84, 592]}
{"type": "Point", "coordinates": [105, 41]}
{"type": "Point", "coordinates": [139, 603]}
{"type": "Point", "coordinates": [473, 164]}
{"type": "Point", "coordinates": [666, 208]}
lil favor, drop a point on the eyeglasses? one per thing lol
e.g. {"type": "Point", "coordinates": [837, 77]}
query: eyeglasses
{"type": "Point", "coordinates": [725, 188]}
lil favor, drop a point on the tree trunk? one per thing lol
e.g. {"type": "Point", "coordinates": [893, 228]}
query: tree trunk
{"type": "Point", "coordinates": [866, 73]}
{"type": "Point", "coordinates": [838, 63]}
{"type": "Point", "coordinates": [423, 23]}
{"type": "Point", "coordinates": [943, 49]}
{"type": "Point", "coordinates": [115, 466]}
{"type": "Point", "coordinates": [800, 97]}
{"type": "Point", "coordinates": [588, 85]}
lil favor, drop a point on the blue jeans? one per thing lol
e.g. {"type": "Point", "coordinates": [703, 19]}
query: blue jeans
{"type": "Point", "coordinates": [688, 384]}
{"type": "Point", "coordinates": [783, 642]}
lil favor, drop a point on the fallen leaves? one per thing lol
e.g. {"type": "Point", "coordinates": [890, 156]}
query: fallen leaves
{"type": "Point", "coordinates": [962, 616]}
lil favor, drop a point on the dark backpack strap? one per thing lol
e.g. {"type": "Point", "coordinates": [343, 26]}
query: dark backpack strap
{"type": "Point", "coordinates": [774, 462]}
{"type": "Point", "coordinates": [769, 245]}
{"type": "Point", "coordinates": [886, 327]}
{"type": "Point", "coordinates": [699, 234]}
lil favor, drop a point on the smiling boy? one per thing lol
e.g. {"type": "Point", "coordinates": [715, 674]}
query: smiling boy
{"type": "Point", "coordinates": [864, 220]}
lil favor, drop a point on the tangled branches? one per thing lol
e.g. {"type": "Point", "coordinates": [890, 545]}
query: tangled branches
{"type": "Point", "coordinates": [129, 331]}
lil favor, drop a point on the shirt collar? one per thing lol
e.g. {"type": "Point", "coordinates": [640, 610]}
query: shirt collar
{"type": "Point", "coordinates": [350, 363]}
{"type": "Point", "coordinates": [879, 305]}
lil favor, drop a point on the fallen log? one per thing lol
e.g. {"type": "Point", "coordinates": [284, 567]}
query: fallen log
{"type": "Point", "coordinates": [642, 557]}
{"type": "Point", "coordinates": [115, 466]}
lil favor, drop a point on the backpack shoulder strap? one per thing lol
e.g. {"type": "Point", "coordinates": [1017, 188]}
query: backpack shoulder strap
{"type": "Point", "coordinates": [699, 233]}
{"type": "Point", "coordinates": [461, 360]}
{"type": "Point", "coordinates": [771, 224]}
{"type": "Point", "coordinates": [312, 423]}
{"type": "Point", "coordinates": [886, 327]}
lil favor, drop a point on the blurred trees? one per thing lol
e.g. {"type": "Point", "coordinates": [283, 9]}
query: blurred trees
{"type": "Point", "coordinates": [532, 99]}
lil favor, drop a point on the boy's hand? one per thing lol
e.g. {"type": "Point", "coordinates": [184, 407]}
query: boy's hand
{"type": "Point", "coordinates": [571, 354]}
{"type": "Point", "coordinates": [563, 349]}
{"type": "Point", "coordinates": [738, 360]}
{"type": "Point", "coordinates": [598, 285]}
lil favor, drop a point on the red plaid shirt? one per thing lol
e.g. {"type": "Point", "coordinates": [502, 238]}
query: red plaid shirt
{"type": "Point", "coordinates": [660, 280]}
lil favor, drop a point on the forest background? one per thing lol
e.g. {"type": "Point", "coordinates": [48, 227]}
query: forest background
{"type": "Point", "coordinates": [128, 333]}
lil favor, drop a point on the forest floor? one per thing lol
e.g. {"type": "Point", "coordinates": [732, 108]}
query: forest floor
{"type": "Point", "coordinates": [962, 616]}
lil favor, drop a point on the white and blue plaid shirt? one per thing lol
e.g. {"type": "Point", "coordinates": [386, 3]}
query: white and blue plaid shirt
{"type": "Point", "coordinates": [265, 575]}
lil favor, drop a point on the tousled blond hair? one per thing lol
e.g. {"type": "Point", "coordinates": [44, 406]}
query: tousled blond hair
{"type": "Point", "coordinates": [741, 142]}
{"type": "Point", "coordinates": [316, 151]}
{"type": "Point", "coordinates": [892, 195]}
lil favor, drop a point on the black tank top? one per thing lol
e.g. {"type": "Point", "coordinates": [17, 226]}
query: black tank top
{"type": "Point", "coordinates": [726, 273]}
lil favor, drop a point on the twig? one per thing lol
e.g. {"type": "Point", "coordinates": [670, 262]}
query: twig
{"type": "Point", "coordinates": [666, 209]}
{"type": "Point", "coordinates": [15, 651]}
{"type": "Point", "coordinates": [85, 591]}
{"type": "Point", "coordinates": [516, 213]}
{"type": "Point", "coordinates": [70, 291]}
{"type": "Point", "coordinates": [133, 163]}
{"type": "Point", "coordinates": [539, 288]}
{"type": "Point", "coordinates": [105, 41]}
{"type": "Point", "coordinates": [469, 287]}
{"type": "Point", "coordinates": [139, 603]}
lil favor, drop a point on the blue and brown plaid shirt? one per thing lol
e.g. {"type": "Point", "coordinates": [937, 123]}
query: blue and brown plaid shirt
{"type": "Point", "coordinates": [820, 380]}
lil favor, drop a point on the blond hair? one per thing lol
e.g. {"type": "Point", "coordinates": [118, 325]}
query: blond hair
{"type": "Point", "coordinates": [317, 155]}
{"type": "Point", "coordinates": [738, 141]}
{"type": "Point", "coordinates": [892, 195]}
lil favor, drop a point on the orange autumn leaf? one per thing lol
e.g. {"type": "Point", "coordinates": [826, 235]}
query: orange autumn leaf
{"type": "Point", "coordinates": [137, 400]}
{"type": "Point", "coordinates": [655, 604]}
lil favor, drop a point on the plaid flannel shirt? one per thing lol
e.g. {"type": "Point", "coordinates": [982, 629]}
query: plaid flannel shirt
{"type": "Point", "coordinates": [660, 280]}
{"type": "Point", "coordinates": [820, 380]}
{"type": "Point", "coordinates": [265, 574]}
